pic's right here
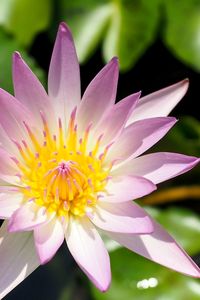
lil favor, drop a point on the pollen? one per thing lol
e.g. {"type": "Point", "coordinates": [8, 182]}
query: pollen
{"type": "Point", "coordinates": [60, 172]}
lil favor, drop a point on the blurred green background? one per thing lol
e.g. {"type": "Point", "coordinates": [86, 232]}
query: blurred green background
{"type": "Point", "coordinates": [158, 44]}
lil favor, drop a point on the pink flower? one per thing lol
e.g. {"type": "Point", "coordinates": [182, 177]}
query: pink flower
{"type": "Point", "coordinates": [69, 167]}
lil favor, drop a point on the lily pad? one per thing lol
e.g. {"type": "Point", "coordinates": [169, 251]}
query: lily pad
{"type": "Point", "coordinates": [182, 30]}
{"type": "Point", "coordinates": [126, 27]}
{"type": "Point", "coordinates": [132, 29]}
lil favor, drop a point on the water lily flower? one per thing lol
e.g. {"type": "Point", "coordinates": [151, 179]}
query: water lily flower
{"type": "Point", "coordinates": [70, 167]}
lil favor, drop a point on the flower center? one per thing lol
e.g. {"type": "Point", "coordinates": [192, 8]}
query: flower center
{"type": "Point", "coordinates": [62, 173]}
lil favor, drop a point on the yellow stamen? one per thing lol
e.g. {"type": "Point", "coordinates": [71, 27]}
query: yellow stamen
{"type": "Point", "coordinates": [61, 174]}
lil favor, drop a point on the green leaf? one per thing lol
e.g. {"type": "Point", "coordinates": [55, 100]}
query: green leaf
{"type": "Point", "coordinates": [134, 277]}
{"type": "Point", "coordinates": [132, 29]}
{"type": "Point", "coordinates": [7, 47]}
{"type": "Point", "coordinates": [183, 30]}
{"type": "Point", "coordinates": [25, 18]}
{"type": "Point", "coordinates": [126, 27]}
{"type": "Point", "coordinates": [88, 20]}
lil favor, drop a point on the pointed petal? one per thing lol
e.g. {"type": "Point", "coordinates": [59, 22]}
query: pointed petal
{"type": "Point", "coordinates": [48, 239]}
{"type": "Point", "coordinates": [99, 96]}
{"type": "Point", "coordinates": [160, 103]}
{"type": "Point", "coordinates": [64, 74]}
{"type": "Point", "coordinates": [8, 204]}
{"type": "Point", "coordinates": [158, 167]}
{"type": "Point", "coordinates": [87, 248]}
{"type": "Point", "coordinates": [114, 120]}
{"type": "Point", "coordinates": [26, 218]}
{"type": "Point", "coordinates": [125, 217]}
{"type": "Point", "coordinates": [29, 90]}
{"type": "Point", "coordinates": [12, 115]}
{"type": "Point", "coordinates": [159, 247]}
{"type": "Point", "coordinates": [139, 137]}
{"type": "Point", "coordinates": [18, 258]}
{"type": "Point", "coordinates": [126, 188]}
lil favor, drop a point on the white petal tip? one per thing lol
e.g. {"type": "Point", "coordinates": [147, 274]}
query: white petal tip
{"type": "Point", "coordinates": [114, 58]}
{"type": "Point", "coordinates": [192, 271]}
{"type": "Point", "coordinates": [17, 55]}
{"type": "Point", "coordinates": [172, 120]}
{"type": "Point", "coordinates": [153, 188]}
{"type": "Point", "coordinates": [43, 260]}
{"type": "Point", "coordinates": [64, 28]}
{"type": "Point", "coordinates": [138, 94]}
{"type": "Point", "coordinates": [198, 160]}
{"type": "Point", "coordinates": [65, 32]}
{"type": "Point", "coordinates": [114, 61]}
{"type": "Point", "coordinates": [195, 275]}
{"type": "Point", "coordinates": [194, 161]}
{"type": "Point", "coordinates": [186, 81]}
{"type": "Point", "coordinates": [185, 85]}
{"type": "Point", "coordinates": [102, 287]}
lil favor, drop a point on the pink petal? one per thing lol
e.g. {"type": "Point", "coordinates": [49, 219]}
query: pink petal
{"type": "Point", "coordinates": [125, 217]}
{"type": "Point", "coordinates": [64, 74]}
{"type": "Point", "coordinates": [160, 103]}
{"type": "Point", "coordinates": [26, 218]}
{"type": "Point", "coordinates": [158, 167]}
{"type": "Point", "coordinates": [8, 204]}
{"type": "Point", "coordinates": [160, 247]}
{"type": "Point", "coordinates": [99, 96]}
{"type": "Point", "coordinates": [139, 137]}
{"type": "Point", "coordinates": [48, 239]}
{"type": "Point", "coordinates": [126, 188]}
{"type": "Point", "coordinates": [29, 90]}
{"type": "Point", "coordinates": [7, 166]}
{"type": "Point", "coordinates": [18, 258]}
{"type": "Point", "coordinates": [6, 143]}
{"type": "Point", "coordinates": [12, 115]}
{"type": "Point", "coordinates": [114, 120]}
{"type": "Point", "coordinates": [87, 248]}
